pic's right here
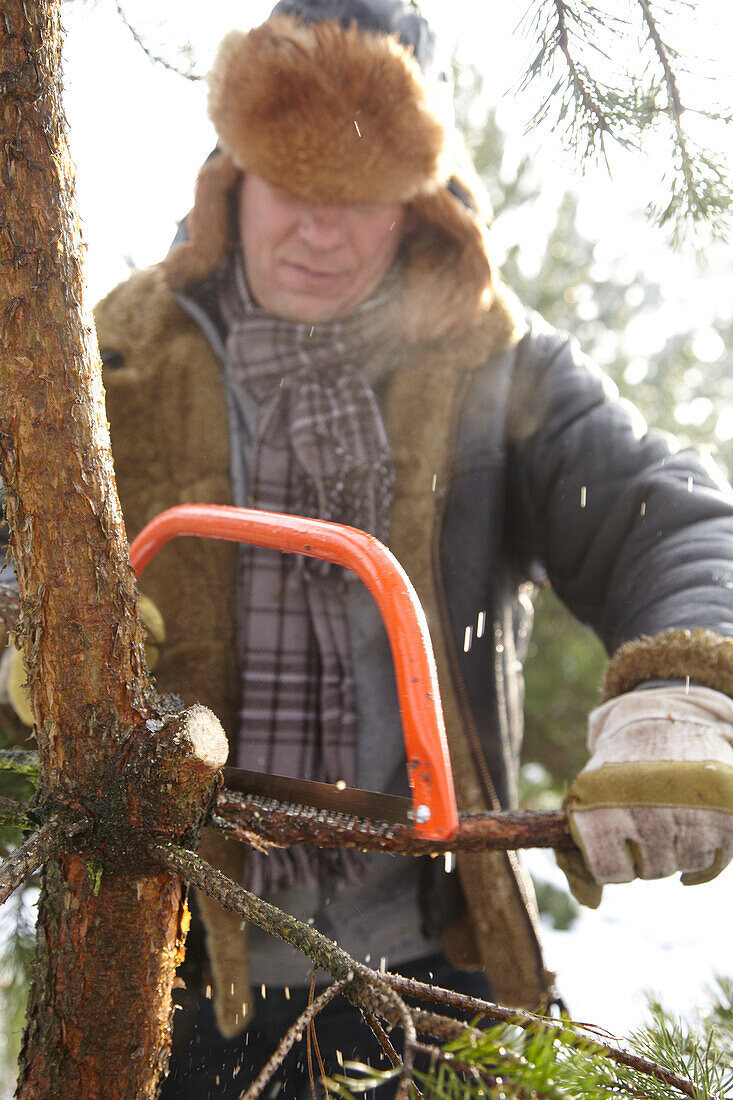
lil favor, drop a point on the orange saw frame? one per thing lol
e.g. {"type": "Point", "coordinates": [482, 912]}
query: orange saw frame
{"type": "Point", "coordinates": [428, 763]}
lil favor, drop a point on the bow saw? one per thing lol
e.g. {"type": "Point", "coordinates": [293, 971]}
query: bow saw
{"type": "Point", "coordinates": [429, 820]}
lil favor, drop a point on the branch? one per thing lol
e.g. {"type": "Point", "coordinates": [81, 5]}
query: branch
{"type": "Point", "coordinates": [581, 88]}
{"type": "Point", "coordinates": [254, 819]}
{"type": "Point", "coordinates": [675, 102]}
{"type": "Point", "coordinates": [676, 109]}
{"type": "Point", "coordinates": [447, 1029]}
{"type": "Point", "coordinates": [37, 849]}
{"type": "Point", "coordinates": [384, 1040]}
{"type": "Point", "coordinates": [437, 1054]}
{"type": "Point", "coordinates": [13, 813]}
{"type": "Point", "coordinates": [292, 1035]}
{"type": "Point", "coordinates": [324, 953]}
{"type": "Point", "coordinates": [366, 987]}
{"type": "Point", "coordinates": [20, 761]}
{"type": "Point", "coordinates": [148, 52]}
{"type": "Point", "coordinates": [380, 992]}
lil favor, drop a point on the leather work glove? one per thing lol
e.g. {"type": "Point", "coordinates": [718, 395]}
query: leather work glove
{"type": "Point", "coordinates": [152, 621]}
{"type": "Point", "coordinates": [13, 686]}
{"type": "Point", "coordinates": [13, 689]}
{"type": "Point", "coordinates": [656, 796]}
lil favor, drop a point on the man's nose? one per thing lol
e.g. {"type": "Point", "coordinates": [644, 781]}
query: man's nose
{"type": "Point", "coordinates": [322, 226]}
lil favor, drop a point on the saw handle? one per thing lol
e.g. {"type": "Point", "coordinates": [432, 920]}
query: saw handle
{"type": "Point", "coordinates": [426, 747]}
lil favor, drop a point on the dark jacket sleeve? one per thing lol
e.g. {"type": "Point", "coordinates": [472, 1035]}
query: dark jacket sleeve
{"type": "Point", "coordinates": [634, 533]}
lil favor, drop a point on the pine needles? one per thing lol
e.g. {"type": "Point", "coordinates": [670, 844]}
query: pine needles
{"type": "Point", "coordinates": [569, 1064]}
{"type": "Point", "coordinates": [610, 78]}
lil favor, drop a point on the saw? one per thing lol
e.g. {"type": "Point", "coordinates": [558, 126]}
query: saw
{"type": "Point", "coordinates": [284, 811]}
{"type": "Point", "coordinates": [336, 798]}
{"type": "Point", "coordinates": [431, 812]}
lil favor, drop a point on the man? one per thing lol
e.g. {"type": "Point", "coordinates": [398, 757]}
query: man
{"type": "Point", "coordinates": [328, 337]}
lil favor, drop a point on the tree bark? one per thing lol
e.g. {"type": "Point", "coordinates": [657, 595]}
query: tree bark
{"type": "Point", "coordinates": [110, 928]}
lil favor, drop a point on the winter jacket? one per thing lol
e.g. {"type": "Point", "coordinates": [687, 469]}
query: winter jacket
{"type": "Point", "coordinates": [515, 459]}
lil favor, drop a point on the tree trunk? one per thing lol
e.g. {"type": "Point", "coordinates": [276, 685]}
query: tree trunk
{"type": "Point", "coordinates": [110, 928]}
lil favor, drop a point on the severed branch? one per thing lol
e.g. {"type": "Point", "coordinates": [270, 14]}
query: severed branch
{"type": "Point", "coordinates": [254, 819]}
{"type": "Point", "coordinates": [37, 849]}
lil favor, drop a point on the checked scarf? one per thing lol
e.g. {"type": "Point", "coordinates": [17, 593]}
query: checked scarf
{"type": "Point", "coordinates": [319, 450]}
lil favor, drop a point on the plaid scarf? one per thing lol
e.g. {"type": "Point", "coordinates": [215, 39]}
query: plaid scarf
{"type": "Point", "coordinates": [320, 449]}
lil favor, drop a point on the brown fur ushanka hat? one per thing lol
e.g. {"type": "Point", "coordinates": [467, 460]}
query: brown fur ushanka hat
{"type": "Point", "coordinates": [342, 114]}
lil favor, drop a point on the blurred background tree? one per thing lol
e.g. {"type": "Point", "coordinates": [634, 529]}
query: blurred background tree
{"type": "Point", "coordinates": [685, 386]}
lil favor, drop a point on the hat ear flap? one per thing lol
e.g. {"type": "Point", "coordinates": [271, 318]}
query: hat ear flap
{"type": "Point", "coordinates": [448, 272]}
{"type": "Point", "coordinates": [211, 224]}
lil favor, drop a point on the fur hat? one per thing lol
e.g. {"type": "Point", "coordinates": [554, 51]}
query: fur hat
{"type": "Point", "coordinates": [341, 101]}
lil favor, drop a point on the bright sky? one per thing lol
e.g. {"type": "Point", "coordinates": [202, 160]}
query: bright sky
{"type": "Point", "coordinates": [139, 135]}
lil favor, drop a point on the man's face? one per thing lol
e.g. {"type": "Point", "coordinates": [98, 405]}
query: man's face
{"type": "Point", "coordinates": [314, 263]}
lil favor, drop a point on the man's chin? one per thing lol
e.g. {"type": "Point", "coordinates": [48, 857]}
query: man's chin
{"type": "Point", "coordinates": [306, 308]}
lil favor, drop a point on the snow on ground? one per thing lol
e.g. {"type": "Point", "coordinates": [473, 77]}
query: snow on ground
{"type": "Point", "coordinates": [657, 937]}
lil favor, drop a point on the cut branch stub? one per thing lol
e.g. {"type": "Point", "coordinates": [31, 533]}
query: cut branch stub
{"type": "Point", "coordinates": [164, 791]}
{"type": "Point", "coordinates": [177, 779]}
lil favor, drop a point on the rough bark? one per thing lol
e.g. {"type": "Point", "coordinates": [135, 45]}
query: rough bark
{"type": "Point", "coordinates": [261, 821]}
{"type": "Point", "coordinates": [110, 927]}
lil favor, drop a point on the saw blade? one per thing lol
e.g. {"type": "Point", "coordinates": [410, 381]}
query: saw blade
{"type": "Point", "coordinates": [334, 797]}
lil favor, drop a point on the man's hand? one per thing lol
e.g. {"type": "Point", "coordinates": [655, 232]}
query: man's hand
{"type": "Point", "coordinates": [656, 796]}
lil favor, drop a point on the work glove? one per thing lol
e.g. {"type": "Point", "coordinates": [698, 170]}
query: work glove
{"type": "Point", "coordinates": [13, 677]}
{"type": "Point", "coordinates": [656, 796]}
{"type": "Point", "coordinates": [152, 621]}
{"type": "Point", "coordinates": [13, 689]}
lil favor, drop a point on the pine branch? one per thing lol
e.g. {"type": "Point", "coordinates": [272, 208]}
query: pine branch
{"type": "Point", "coordinates": [384, 1040]}
{"type": "Point", "coordinates": [580, 84]}
{"type": "Point", "coordinates": [13, 814]}
{"type": "Point", "coordinates": [322, 951]}
{"type": "Point", "coordinates": [675, 108]}
{"type": "Point", "coordinates": [565, 1030]}
{"type": "Point", "coordinates": [32, 854]}
{"type": "Point", "coordinates": [381, 993]}
{"type": "Point", "coordinates": [254, 820]}
{"type": "Point", "coordinates": [407, 1021]}
{"type": "Point", "coordinates": [366, 987]}
{"type": "Point", "coordinates": [20, 761]}
{"type": "Point", "coordinates": [155, 58]}
{"type": "Point", "coordinates": [587, 103]}
{"type": "Point", "coordinates": [469, 1069]}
